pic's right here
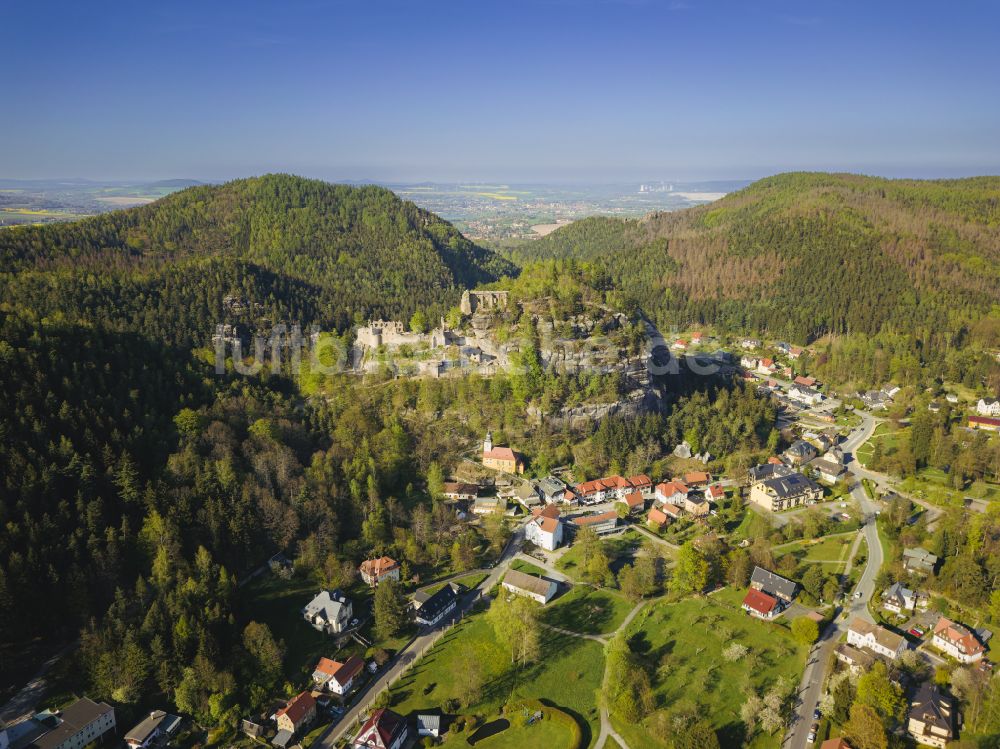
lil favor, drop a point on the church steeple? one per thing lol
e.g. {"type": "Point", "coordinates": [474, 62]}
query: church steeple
{"type": "Point", "coordinates": [488, 442]}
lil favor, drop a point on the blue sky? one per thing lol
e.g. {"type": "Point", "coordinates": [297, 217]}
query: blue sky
{"type": "Point", "coordinates": [547, 90]}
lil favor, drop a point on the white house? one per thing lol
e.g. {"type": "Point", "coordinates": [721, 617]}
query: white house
{"type": "Point", "coordinates": [957, 641]}
{"type": "Point", "coordinates": [523, 584]}
{"type": "Point", "coordinates": [671, 492]}
{"type": "Point", "coordinates": [878, 639]}
{"type": "Point", "coordinates": [898, 599]}
{"type": "Point", "coordinates": [988, 407]}
{"type": "Point", "coordinates": [545, 529]}
{"type": "Point", "coordinates": [150, 729]}
{"type": "Point", "coordinates": [337, 676]}
{"type": "Point", "coordinates": [805, 395]}
{"type": "Point", "coordinates": [329, 612]}
{"type": "Point", "coordinates": [384, 729]}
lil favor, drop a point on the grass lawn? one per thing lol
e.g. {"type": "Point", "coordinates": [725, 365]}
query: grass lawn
{"type": "Point", "coordinates": [567, 676]}
{"type": "Point", "coordinates": [469, 581]}
{"type": "Point", "coordinates": [616, 548]}
{"type": "Point", "coordinates": [830, 551]}
{"type": "Point", "coordinates": [547, 733]}
{"type": "Point", "coordinates": [588, 610]}
{"type": "Point", "coordinates": [934, 485]}
{"type": "Point", "coordinates": [887, 435]}
{"type": "Point", "coordinates": [683, 642]}
{"type": "Point", "coordinates": [527, 568]}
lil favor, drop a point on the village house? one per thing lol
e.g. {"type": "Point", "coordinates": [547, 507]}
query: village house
{"type": "Point", "coordinates": [807, 382]}
{"type": "Point", "coordinates": [750, 343]}
{"type": "Point", "coordinates": [766, 366]}
{"type": "Point", "coordinates": [679, 345]}
{"type": "Point", "coordinates": [552, 490]}
{"type": "Point", "coordinates": [336, 676]}
{"type": "Point", "coordinates": [807, 396]}
{"type": "Point", "coordinates": [374, 571]}
{"type": "Point", "coordinates": [671, 492]}
{"type": "Point", "coordinates": [784, 492]}
{"type": "Point", "coordinates": [714, 493]}
{"type": "Point", "coordinates": [329, 612]}
{"type": "Point", "coordinates": [633, 502]}
{"type": "Point", "coordinates": [526, 493]}
{"type": "Point", "coordinates": [429, 610]}
{"type": "Point", "coordinates": [537, 588]}
{"type": "Point", "coordinates": [501, 458]}
{"type": "Point", "coordinates": [544, 529]}
{"type": "Point", "coordinates": [384, 729]}
{"type": "Point", "coordinates": [761, 605]}
{"type": "Point", "coordinates": [697, 505]}
{"type": "Point", "coordinates": [154, 727]}
{"type": "Point", "coordinates": [838, 743]}
{"type": "Point", "coordinates": [749, 362]}
{"type": "Point", "coordinates": [488, 505]}
{"type": "Point", "coordinates": [298, 714]}
{"type": "Point", "coordinates": [697, 479]}
{"type": "Point", "coordinates": [986, 423]}
{"type": "Point", "coordinates": [930, 720]}
{"type": "Point", "coordinates": [657, 518]}
{"type": "Point", "coordinates": [988, 407]}
{"type": "Point", "coordinates": [919, 560]}
{"type": "Point", "coordinates": [456, 490]}
{"type": "Point", "coordinates": [800, 452]}
{"type": "Point", "coordinates": [898, 599]}
{"type": "Point", "coordinates": [76, 726]}
{"type": "Point", "coordinates": [774, 468]}
{"type": "Point", "coordinates": [774, 585]}
{"type": "Point", "coordinates": [957, 641]}
{"type": "Point", "coordinates": [829, 471]}
{"type": "Point", "coordinates": [603, 524]}
{"type": "Point", "coordinates": [857, 659]}
{"type": "Point", "coordinates": [642, 484]}
{"type": "Point", "coordinates": [879, 640]}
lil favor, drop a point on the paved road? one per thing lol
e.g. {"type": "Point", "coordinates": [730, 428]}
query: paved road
{"type": "Point", "coordinates": [31, 694]}
{"type": "Point", "coordinates": [812, 679]}
{"type": "Point", "coordinates": [411, 652]}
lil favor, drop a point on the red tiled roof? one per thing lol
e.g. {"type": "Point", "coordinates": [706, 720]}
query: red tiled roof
{"type": "Point", "coordinates": [715, 491]}
{"type": "Point", "coordinates": [548, 525]}
{"type": "Point", "coordinates": [634, 499]}
{"type": "Point", "coordinates": [985, 421]}
{"type": "Point", "coordinates": [298, 707]}
{"type": "Point", "coordinates": [658, 516]}
{"type": "Point", "coordinates": [327, 666]}
{"type": "Point", "coordinates": [697, 477]}
{"type": "Point", "coordinates": [774, 461]}
{"type": "Point", "coordinates": [641, 480]}
{"type": "Point", "coordinates": [603, 517]}
{"type": "Point", "coordinates": [837, 743]}
{"type": "Point", "coordinates": [672, 510]}
{"type": "Point", "coordinates": [385, 722]}
{"type": "Point", "coordinates": [671, 488]}
{"type": "Point", "coordinates": [348, 670]}
{"type": "Point", "coordinates": [958, 636]}
{"type": "Point", "coordinates": [759, 602]}
{"type": "Point", "coordinates": [806, 381]}
{"type": "Point", "coordinates": [378, 567]}
{"type": "Point", "coordinates": [500, 453]}
{"type": "Point", "coordinates": [549, 511]}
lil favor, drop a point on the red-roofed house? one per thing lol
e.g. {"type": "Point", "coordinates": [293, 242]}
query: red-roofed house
{"type": "Point", "coordinates": [297, 714]}
{"type": "Point", "coordinates": [766, 366]}
{"type": "Point", "coordinates": [549, 511]}
{"type": "Point", "coordinates": [760, 604]}
{"type": "Point", "coordinates": [657, 517]}
{"type": "Point", "coordinates": [384, 729]}
{"type": "Point", "coordinates": [634, 502]}
{"type": "Point", "coordinates": [835, 744]}
{"type": "Point", "coordinates": [501, 458]}
{"type": "Point", "coordinates": [601, 490]}
{"type": "Point", "coordinates": [957, 641]}
{"type": "Point", "coordinates": [672, 492]}
{"type": "Point", "coordinates": [336, 676]}
{"type": "Point", "coordinates": [774, 460]}
{"type": "Point", "coordinates": [672, 511]}
{"type": "Point", "coordinates": [697, 478]}
{"type": "Point", "coordinates": [374, 571]}
{"type": "Point", "coordinates": [544, 531]}
{"type": "Point", "coordinates": [642, 483]}
{"type": "Point", "coordinates": [715, 492]}
{"type": "Point", "coordinates": [805, 381]}
{"type": "Point", "coordinates": [984, 422]}
{"type": "Point", "coordinates": [679, 345]}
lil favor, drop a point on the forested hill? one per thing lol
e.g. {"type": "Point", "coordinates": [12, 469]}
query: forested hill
{"type": "Point", "coordinates": [805, 254]}
{"type": "Point", "coordinates": [295, 246]}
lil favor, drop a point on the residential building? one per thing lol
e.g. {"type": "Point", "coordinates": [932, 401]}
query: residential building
{"type": "Point", "coordinates": [919, 560]}
{"type": "Point", "coordinates": [501, 458]}
{"type": "Point", "coordinates": [768, 470]}
{"type": "Point", "coordinates": [603, 524]}
{"type": "Point", "coordinates": [551, 489]}
{"type": "Point", "coordinates": [898, 599]}
{"type": "Point", "coordinates": [330, 612]}
{"type": "Point", "coordinates": [749, 362]}
{"type": "Point", "coordinates": [957, 641]}
{"type": "Point", "coordinates": [673, 512]}
{"type": "Point", "coordinates": [384, 729]}
{"type": "Point", "coordinates": [532, 586]}
{"type": "Point", "coordinates": [829, 471]}
{"type": "Point", "coordinates": [772, 584]}
{"type": "Point", "coordinates": [435, 608]}
{"type": "Point", "coordinates": [299, 713]}
{"type": "Point", "coordinates": [766, 366]}
{"type": "Point", "coordinates": [658, 518]}
{"type": "Point", "coordinates": [876, 400]}
{"type": "Point", "coordinates": [761, 605]}
{"type": "Point", "coordinates": [800, 452]}
{"type": "Point", "coordinates": [603, 490]}
{"type": "Point", "coordinates": [336, 676]}
{"type": "Point", "coordinates": [714, 493]}
{"type": "Point", "coordinates": [930, 720]}
{"type": "Point", "coordinates": [696, 479]}
{"type": "Point", "coordinates": [374, 571]}
{"type": "Point", "coordinates": [750, 343]}
{"type": "Point", "coordinates": [456, 490]}
{"type": "Point", "coordinates": [988, 407]}
{"type": "Point", "coordinates": [858, 660]}
{"type": "Point", "coordinates": [151, 729]}
{"type": "Point", "coordinates": [807, 396]}
{"type": "Point", "coordinates": [808, 382]}
{"type": "Point", "coordinates": [697, 505]}
{"type": "Point", "coordinates": [986, 423]}
{"type": "Point", "coordinates": [879, 640]}
{"type": "Point", "coordinates": [526, 493]}
{"type": "Point", "coordinates": [74, 727]}
{"type": "Point", "coordinates": [634, 502]}
{"type": "Point", "coordinates": [783, 492]}
{"type": "Point", "coordinates": [642, 484]}
{"type": "Point", "coordinates": [544, 531]}
{"type": "Point", "coordinates": [488, 505]}
{"type": "Point", "coordinates": [672, 492]}
{"type": "Point", "coordinates": [838, 743]}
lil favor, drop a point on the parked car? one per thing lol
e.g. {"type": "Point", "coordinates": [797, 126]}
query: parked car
{"type": "Point", "coordinates": [372, 667]}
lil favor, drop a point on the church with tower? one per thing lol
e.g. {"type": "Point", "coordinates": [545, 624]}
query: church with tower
{"type": "Point", "coordinates": [501, 458]}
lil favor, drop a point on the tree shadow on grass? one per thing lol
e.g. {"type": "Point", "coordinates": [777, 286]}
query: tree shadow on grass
{"type": "Point", "coordinates": [588, 614]}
